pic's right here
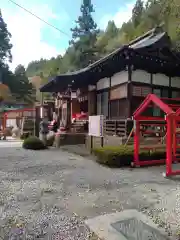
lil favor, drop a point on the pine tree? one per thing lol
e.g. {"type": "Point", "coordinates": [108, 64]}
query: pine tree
{"type": "Point", "coordinates": [24, 89]}
{"type": "Point", "coordinates": [5, 45]}
{"type": "Point", "coordinates": [137, 12]}
{"type": "Point", "coordinates": [84, 36]}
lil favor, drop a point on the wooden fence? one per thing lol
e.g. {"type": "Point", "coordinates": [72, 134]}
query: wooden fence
{"type": "Point", "coordinates": [120, 128]}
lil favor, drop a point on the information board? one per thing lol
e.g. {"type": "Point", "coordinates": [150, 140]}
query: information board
{"type": "Point", "coordinates": [96, 125]}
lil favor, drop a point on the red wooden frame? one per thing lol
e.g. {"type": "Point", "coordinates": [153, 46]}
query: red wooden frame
{"type": "Point", "coordinates": [5, 115]}
{"type": "Point", "coordinates": [171, 121]}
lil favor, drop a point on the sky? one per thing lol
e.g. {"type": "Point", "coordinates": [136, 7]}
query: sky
{"type": "Point", "coordinates": [33, 39]}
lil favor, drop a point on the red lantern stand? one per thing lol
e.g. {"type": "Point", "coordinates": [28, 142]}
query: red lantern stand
{"type": "Point", "coordinates": [170, 122]}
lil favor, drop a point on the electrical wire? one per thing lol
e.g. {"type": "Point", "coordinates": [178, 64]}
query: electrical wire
{"type": "Point", "coordinates": [34, 15]}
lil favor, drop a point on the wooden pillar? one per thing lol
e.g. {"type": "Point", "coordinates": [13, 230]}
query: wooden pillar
{"type": "Point", "coordinates": [68, 112]}
{"type": "Point", "coordinates": [169, 145]}
{"type": "Point", "coordinates": [37, 120]}
{"type": "Point", "coordinates": [129, 91]}
{"type": "Point", "coordinates": [136, 142]}
{"type": "Point", "coordinates": [109, 97]}
{"type": "Point", "coordinates": [92, 102]}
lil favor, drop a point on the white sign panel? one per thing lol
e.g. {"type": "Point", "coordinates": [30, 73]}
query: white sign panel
{"type": "Point", "coordinates": [96, 125]}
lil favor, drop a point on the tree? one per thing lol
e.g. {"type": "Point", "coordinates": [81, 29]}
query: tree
{"type": "Point", "coordinates": [106, 41]}
{"type": "Point", "coordinates": [24, 88]}
{"type": "Point", "coordinates": [5, 45]}
{"type": "Point", "coordinates": [111, 30]}
{"type": "Point", "coordinates": [20, 70]}
{"type": "Point", "coordinates": [137, 12]}
{"type": "Point", "coordinates": [84, 36]}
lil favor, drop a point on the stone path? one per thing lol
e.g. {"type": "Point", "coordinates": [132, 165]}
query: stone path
{"type": "Point", "coordinates": [8, 143]}
{"type": "Point", "coordinates": [50, 193]}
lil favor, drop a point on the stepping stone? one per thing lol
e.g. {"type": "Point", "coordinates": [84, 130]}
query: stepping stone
{"type": "Point", "coordinates": [125, 225]}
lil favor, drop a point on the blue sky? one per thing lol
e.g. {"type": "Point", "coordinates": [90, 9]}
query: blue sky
{"type": "Point", "coordinates": [33, 39]}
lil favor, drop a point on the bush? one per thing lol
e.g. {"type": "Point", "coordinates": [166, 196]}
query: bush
{"type": "Point", "coordinates": [33, 143]}
{"type": "Point", "coordinates": [123, 155]}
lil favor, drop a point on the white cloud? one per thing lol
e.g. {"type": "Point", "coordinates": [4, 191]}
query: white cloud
{"type": "Point", "coordinates": [123, 15]}
{"type": "Point", "coordinates": [26, 33]}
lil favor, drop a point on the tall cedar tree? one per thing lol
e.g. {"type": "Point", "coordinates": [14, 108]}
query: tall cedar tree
{"type": "Point", "coordinates": [137, 12]}
{"type": "Point", "coordinates": [24, 88]}
{"type": "Point", "coordinates": [5, 45]}
{"type": "Point", "coordinates": [84, 36]}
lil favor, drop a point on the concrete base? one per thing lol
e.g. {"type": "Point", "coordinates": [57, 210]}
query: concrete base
{"type": "Point", "coordinates": [107, 141]}
{"type": "Point", "coordinates": [125, 225]}
{"type": "Point", "coordinates": [69, 139]}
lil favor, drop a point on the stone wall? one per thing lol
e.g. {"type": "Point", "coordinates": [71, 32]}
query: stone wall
{"type": "Point", "coordinates": [105, 141]}
{"type": "Point", "coordinates": [70, 139]}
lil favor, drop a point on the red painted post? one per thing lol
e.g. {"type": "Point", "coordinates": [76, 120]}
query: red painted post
{"type": "Point", "coordinates": [174, 144]}
{"type": "Point", "coordinates": [169, 146]}
{"type": "Point", "coordinates": [136, 142]}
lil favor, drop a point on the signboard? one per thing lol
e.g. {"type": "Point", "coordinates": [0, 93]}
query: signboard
{"type": "Point", "coordinates": [73, 95]}
{"type": "Point", "coordinates": [96, 125]}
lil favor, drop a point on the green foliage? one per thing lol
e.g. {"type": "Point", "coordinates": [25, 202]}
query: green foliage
{"type": "Point", "coordinates": [24, 89]}
{"type": "Point", "coordinates": [5, 45]}
{"type": "Point", "coordinates": [106, 40]}
{"type": "Point", "coordinates": [33, 143]}
{"type": "Point", "coordinates": [137, 12]}
{"type": "Point", "coordinates": [123, 155]}
{"type": "Point", "coordinates": [18, 83]}
{"type": "Point", "coordinates": [84, 36]}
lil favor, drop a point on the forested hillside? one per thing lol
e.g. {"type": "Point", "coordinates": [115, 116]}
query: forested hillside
{"type": "Point", "coordinates": [89, 43]}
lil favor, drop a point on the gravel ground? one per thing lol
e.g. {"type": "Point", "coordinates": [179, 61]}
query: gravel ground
{"type": "Point", "coordinates": [48, 194]}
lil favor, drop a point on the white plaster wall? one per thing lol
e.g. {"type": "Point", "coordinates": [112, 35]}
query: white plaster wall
{"type": "Point", "coordinates": [98, 104]}
{"type": "Point", "coordinates": [103, 83]}
{"type": "Point", "coordinates": [91, 87]}
{"type": "Point", "coordinates": [118, 78]}
{"type": "Point", "coordinates": [141, 76]}
{"type": "Point", "coordinates": [175, 82]}
{"type": "Point", "coordinates": [160, 79]}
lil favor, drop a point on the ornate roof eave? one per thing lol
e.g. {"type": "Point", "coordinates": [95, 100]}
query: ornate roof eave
{"type": "Point", "coordinates": [150, 40]}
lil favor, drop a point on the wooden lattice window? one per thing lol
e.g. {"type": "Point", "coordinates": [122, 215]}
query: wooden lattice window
{"type": "Point", "coordinates": [141, 91]}
{"type": "Point", "coordinates": [118, 92]}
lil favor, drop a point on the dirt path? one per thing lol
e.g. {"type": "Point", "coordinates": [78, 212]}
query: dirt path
{"type": "Point", "coordinates": [49, 193]}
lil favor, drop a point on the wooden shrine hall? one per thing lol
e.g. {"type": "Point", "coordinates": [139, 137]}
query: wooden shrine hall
{"type": "Point", "coordinates": [116, 85]}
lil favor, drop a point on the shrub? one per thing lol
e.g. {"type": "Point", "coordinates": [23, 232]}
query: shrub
{"type": "Point", "coordinates": [123, 155]}
{"type": "Point", "coordinates": [33, 143]}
